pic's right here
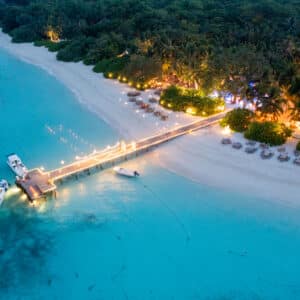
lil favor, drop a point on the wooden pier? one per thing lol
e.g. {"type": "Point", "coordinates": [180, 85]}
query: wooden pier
{"type": "Point", "coordinates": [38, 184]}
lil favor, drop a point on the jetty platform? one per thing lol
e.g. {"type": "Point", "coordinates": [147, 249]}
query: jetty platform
{"type": "Point", "coordinates": [38, 183]}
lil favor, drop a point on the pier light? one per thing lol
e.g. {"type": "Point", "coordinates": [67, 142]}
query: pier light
{"type": "Point", "coordinates": [23, 197]}
{"type": "Point", "coordinates": [62, 162]}
{"type": "Point", "coordinates": [123, 146]}
{"type": "Point", "coordinates": [94, 151]}
{"type": "Point", "coordinates": [133, 145]}
{"type": "Point", "coordinates": [42, 168]}
{"type": "Point", "coordinates": [108, 147]}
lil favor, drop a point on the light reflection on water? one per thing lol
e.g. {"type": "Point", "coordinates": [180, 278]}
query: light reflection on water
{"type": "Point", "coordinates": [107, 237]}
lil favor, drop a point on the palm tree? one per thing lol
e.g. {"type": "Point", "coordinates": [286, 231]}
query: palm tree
{"type": "Point", "coordinates": [295, 110]}
{"type": "Point", "coordinates": [271, 104]}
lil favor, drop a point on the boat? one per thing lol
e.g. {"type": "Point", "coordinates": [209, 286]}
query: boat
{"type": "Point", "coordinates": [3, 189]}
{"type": "Point", "coordinates": [126, 172]}
{"type": "Point", "coordinates": [16, 165]}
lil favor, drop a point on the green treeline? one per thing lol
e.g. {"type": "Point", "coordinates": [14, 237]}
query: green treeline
{"type": "Point", "coordinates": [202, 44]}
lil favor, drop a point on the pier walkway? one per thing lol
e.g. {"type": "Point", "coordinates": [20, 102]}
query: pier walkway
{"type": "Point", "coordinates": [38, 184]}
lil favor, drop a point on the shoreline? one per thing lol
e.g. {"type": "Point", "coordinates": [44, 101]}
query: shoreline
{"type": "Point", "coordinates": [199, 157]}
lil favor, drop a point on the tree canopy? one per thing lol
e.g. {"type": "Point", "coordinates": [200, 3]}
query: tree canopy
{"type": "Point", "coordinates": [202, 44]}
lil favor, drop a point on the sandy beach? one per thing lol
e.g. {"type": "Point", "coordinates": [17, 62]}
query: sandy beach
{"type": "Point", "coordinates": [198, 156]}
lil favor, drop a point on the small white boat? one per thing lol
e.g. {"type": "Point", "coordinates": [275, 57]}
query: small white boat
{"type": "Point", "coordinates": [16, 164]}
{"type": "Point", "coordinates": [126, 172]}
{"type": "Point", "coordinates": [3, 189]}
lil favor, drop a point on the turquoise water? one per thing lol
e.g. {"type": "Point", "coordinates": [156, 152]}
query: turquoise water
{"type": "Point", "coordinates": [105, 237]}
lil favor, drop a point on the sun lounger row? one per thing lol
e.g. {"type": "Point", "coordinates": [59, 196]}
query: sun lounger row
{"type": "Point", "coordinates": [266, 151]}
{"type": "Point", "coordinates": [148, 109]}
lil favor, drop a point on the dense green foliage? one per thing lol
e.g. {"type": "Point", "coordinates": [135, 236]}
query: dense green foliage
{"type": "Point", "coordinates": [190, 101]}
{"type": "Point", "coordinates": [298, 146]}
{"type": "Point", "coordinates": [53, 47]}
{"type": "Point", "coordinates": [272, 133]}
{"type": "Point", "coordinates": [238, 119]}
{"type": "Point", "coordinates": [248, 48]}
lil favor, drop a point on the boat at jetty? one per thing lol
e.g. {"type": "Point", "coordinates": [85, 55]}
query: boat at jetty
{"type": "Point", "coordinates": [3, 189]}
{"type": "Point", "coordinates": [126, 172]}
{"type": "Point", "coordinates": [16, 165]}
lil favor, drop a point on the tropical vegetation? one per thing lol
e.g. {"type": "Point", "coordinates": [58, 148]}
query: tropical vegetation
{"type": "Point", "coordinates": [248, 48]}
{"type": "Point", "coordinates": [190, 101]}
{"type": "Point", "coordinates": [238, 119]}
{"type": "Point", "coordinates": [269, 132]}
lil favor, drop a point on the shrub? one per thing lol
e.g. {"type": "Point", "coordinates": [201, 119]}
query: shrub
{"type": "Point", "coordinates": [298, 146]}
{"type": "Point", "coordinates": [74, 50]}
{"type": "Point", "coordinates": [51, 46]}
{"type": "Point", "coordinates": [114, 66]}
{"type": "Point", "coordinates": [272, 133]}
{"type": "Point", "coordinates": [23, 34]}
{"type": "Point", "coordinates": [238, 119]}
{"type": "Point", "coordinates": [190, 101]}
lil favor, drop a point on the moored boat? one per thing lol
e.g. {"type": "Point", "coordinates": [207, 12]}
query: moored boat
{"type": "Point", "coordinates": [3, 189]}
{"type": "Point", "coordinates": [126, 172]}
{"type": "Point", "coordinates": [16, 165]}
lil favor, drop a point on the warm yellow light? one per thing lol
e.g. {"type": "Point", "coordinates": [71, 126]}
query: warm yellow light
{"type": "Point", "coordinates": [124, 79]}
{"type": "Point", "coordinates": [191, 111]}
{"type": "Point", "coordinates": [119, 77]}
{"type": "Point", "coordinates": [23, 197]}
{"type": "Point", "coordinates": [133, 145]}
{"type": "Point", "coordinates": [130, 83]}
{"type": "Point", "coordinates": [138, 86]}
{"type": "Point", "coordinates": [123, 146]}
{"type": "Point", "coordinates": [226, 130]}
{"type": "Point", "coordinates": [170, 105]}
{"type": "Point", "coordinates": [162, 102]}
{"type": "Point", "coordinates": [110, 75]}
{"type": "Point", "coordinates": [53, 36]}
{"type": "Point", "coordinates": [221, 107]}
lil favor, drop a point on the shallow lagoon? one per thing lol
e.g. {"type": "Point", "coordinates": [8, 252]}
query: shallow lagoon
{"type": "Point", "coordinates": [105, 237]}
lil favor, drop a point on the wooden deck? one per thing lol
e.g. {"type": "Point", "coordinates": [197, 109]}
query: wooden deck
{"type": "Point", "coordinates": [39, 184]}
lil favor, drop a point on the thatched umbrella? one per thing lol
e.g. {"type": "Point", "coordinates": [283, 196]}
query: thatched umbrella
{"type": "Point", "coordinates": [251, 143]}
{"type": "Point", "coordinates": [297, 161]}
{"type": "Point", "coordinates": [281, 149]}
{"type": "Point", "coordinates": [266, 154]}
{"type": "Point", "coordinates": [153, 100]}
{"type": "Point", "coordinates": [226, 141]}
{"type": "Point", "coordinates": [144, 106]}
{"type": "Point", "coordinates": [237, 145]}
{"type": "Point", "coordinates": [149, 109]}
{"type": "Point", "coordinates": [133, 94]}
{"type": "Point", "coordinates": [297, 153]}
{"type": "Point", "coordinates": [251, 149]}
{"type": "Point", "coordinates": [282, 157]}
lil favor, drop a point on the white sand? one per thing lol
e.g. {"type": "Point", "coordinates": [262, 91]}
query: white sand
{"type": "Point", "coordinates": [199, 156]}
